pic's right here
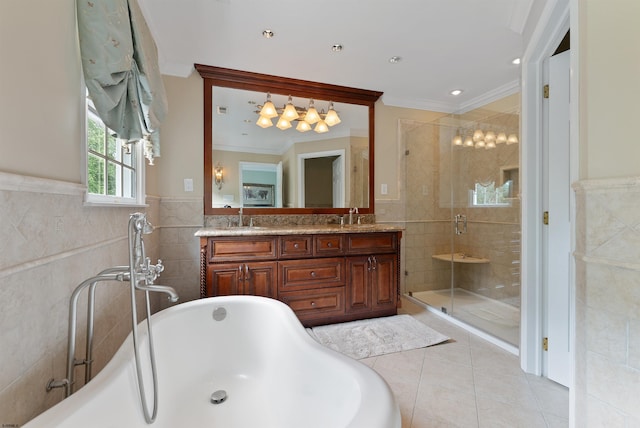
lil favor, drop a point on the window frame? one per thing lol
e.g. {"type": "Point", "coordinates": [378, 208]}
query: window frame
{"type": "Point", "coordinates": [93, 199]}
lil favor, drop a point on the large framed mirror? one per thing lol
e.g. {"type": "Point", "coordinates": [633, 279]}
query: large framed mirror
{"type": "Point", "coordinates": [270, 170]}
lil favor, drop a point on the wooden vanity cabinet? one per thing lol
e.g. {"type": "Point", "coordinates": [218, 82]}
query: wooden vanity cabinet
{"type": "Point", "coordinates": [324, 278]}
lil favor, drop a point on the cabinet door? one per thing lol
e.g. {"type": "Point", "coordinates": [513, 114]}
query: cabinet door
{"type": "Point", "coordinates": [257, 278]}
{"type": "Point", "coordinates": [384, 278]}
{"type": "Point", "coordinates": [260, 279]}
{"type": "Point", "coordinates": [224, 279]}
{"type": "Point", "coordinates": [358, 284]}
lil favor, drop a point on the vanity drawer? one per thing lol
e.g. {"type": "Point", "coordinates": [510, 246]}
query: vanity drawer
{"type": "Point", "coordinates": [242, 248]}
{"type": "Point", "coordinates": [328, 245]}
{"type": "Point", "coordinates": [310, 273]}
{"type": "Point", "coordinates": [367, 243]}
{"type": "Point", "coordinates": [296, 246]}
{"type": "Point", "coordinates": [315, 304]}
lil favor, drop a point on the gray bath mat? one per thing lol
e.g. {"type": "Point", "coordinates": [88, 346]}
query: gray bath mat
{"type": "Point", "coordinates": [377, 336]}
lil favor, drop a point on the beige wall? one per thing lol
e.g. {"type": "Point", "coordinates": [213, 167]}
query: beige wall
{"type": "Point", "coordinates": [40, 89]}
{"type": "Point", "coordinates": [610, 88]}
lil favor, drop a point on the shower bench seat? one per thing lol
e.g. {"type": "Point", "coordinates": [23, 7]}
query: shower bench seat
{"type": "Point", "coordinates": [326, 274]}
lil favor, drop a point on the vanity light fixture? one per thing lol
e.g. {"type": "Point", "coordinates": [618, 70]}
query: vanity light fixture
{"type": "Point", "coordinates": [481, 139]}
{"type": "Point", "coordinates": [217, 176]}
{"type": "Point", "coordinates": [516, 61]}
{"type": "Point", "coordinates": [304, 117]}
{"type": "Point", "coordinates": [456, 92]}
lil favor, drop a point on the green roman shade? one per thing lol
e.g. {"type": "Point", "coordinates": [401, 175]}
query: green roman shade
{"type": "Point", "coordinates": [120, 65]}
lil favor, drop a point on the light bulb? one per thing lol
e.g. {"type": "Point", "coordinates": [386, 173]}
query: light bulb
{"type": "Point", "coordinates": [501, 138]}
{"type": "Point", "coordinates": [491, 144]}
{"type": "Point", "coordinates": [490, 137]}
{"type": "Point", "coordinates": [312, 115]}
{"type": "Point", "coordinates": [512, 139]}
{"type": "Point", "coordinates": [480, 144]}
{"type": "Point", "coordinates": [290, 112]}
{"type": "Point", "coordinates": [457, 140]}
{"type": "Point", "coordinates": [283, 123]}
{"type": "Point", "coordinates": [303, 126]}
{"type": "Point", "coordinates": [332, 117]}
{"type": "Point", "coordinates": [264, 122]}
{"type": "Point", "coordinates": [268, 110]}
{"type": "Point", "coordinates": [468, 142]}
{"type": "Point", "coordinates": [478, 135]}
{"type": "Point", "coordinates": [321, 127]}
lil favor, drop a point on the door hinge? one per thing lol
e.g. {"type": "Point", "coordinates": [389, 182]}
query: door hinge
{"type": "Point", "coordinates": [545, 91]}
{"type": "Point", "coordinates": [545, 343]}
{"type": "Point", "coordinates": [545, 218]}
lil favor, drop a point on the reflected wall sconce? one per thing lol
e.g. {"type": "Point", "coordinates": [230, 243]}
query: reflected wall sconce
{"type": "Point", "coordinates": [218, 177]}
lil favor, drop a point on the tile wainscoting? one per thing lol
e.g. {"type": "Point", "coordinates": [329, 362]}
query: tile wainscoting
{"type": "Point", "coordinates": [607, 256]}
{"type": "Point", "coordinates": [51, 242]}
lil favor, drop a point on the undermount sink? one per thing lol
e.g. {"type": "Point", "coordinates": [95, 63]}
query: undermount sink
{"type": "Point", "coordinates": [460, 258]}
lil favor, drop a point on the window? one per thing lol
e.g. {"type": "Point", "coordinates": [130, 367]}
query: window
{"type": "Point", "coordinates": [487, 195]}
{"type": "Point", "coordinates": [114, 169]}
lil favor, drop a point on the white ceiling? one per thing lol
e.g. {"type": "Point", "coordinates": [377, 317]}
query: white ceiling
{"type": "Point", "coordinates": [444, 44]}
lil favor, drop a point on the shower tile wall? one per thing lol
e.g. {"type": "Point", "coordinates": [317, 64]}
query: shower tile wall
{"type": "Point", "coordinates": [51, 243]}
{"type": "Point", "coordinates": [607, 367]}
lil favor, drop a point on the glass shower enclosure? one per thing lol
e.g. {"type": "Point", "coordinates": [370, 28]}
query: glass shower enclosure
{"type": "Point", "coordinates": [462, 213]}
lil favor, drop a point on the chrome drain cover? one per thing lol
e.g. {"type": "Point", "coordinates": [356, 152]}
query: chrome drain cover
{"type": "Point", "coordinates": [219, 396]}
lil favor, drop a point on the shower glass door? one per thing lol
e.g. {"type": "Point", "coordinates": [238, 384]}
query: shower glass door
{"type": "Point", "coordinates": [463, 217]}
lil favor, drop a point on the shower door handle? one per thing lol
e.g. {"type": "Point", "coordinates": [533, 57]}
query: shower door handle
{"type": "Point", "coordinates": [461, 218]}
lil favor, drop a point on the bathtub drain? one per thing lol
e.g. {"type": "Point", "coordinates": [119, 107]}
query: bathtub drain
{"type": "Point", "coordinates": [219, 314]}
{"type": "Point", "coordinates": [219, 396]}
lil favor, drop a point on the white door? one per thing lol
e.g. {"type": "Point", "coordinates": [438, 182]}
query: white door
{"type": "Point", "coordinates": [557, 234]}
{"type": "Point", "coordinates": [338, 182]}
{"type": "Point", "coordinates": [279, 187]}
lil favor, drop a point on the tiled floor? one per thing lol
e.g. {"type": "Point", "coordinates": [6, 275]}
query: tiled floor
{"type": "Point", "coordinates": [467, 383]}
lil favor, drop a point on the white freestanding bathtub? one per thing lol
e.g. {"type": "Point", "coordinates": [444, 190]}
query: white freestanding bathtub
{"type": "Point", "coordinates": [274, 375]}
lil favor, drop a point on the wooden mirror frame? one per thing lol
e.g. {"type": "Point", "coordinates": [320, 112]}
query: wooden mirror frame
{"type": "Point", "coordinates": [225, 77]}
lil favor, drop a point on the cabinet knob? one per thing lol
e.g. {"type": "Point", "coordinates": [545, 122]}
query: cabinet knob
{"type": "Point", "coordinates": [313, 273]}
{"type": "Point", "coordinates": [313, 303]}
{"type": "Point", "coordinates": [296, 245]}
{"type": "Point", "coordinates": [329, 244]}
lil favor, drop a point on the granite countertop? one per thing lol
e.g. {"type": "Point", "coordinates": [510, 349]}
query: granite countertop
{"type": "Point", "coordinates": [297, 230]}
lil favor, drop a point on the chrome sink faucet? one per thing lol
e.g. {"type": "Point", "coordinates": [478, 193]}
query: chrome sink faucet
{"type": "Point", "coordinates": [352, 211]}
{"type": "Point", "coordinates": [240, 222]}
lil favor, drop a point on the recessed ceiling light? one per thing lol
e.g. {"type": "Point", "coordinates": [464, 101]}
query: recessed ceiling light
{"type": "Point", "coordinates": [337, 47]}
{"type": "Point", "coordinates": [456, 92]}
{"type": "Point", "coordinates": [516, 61]}
{"type": "Point", "coordinates": [395, 59]}
{"type": "Point", "coordinates": [267, 34]}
